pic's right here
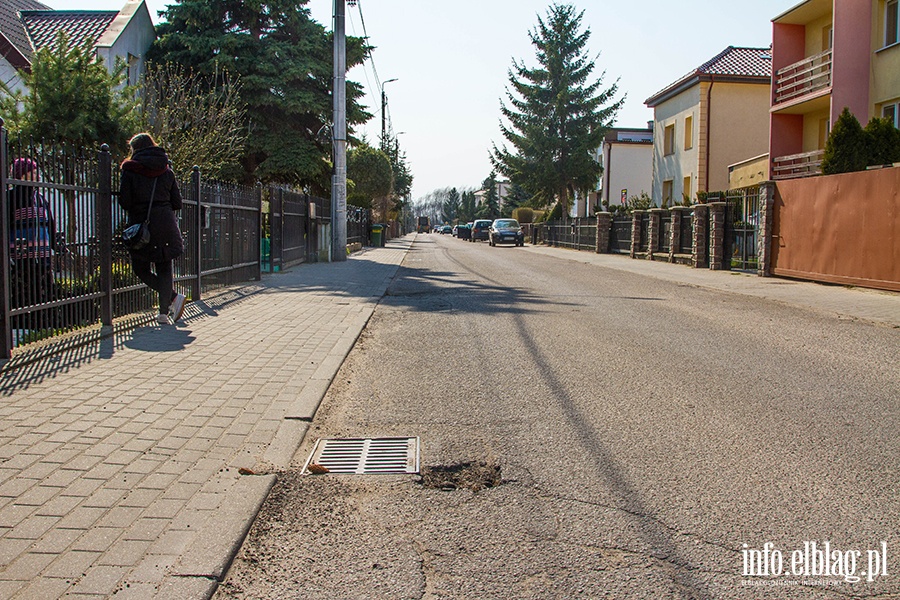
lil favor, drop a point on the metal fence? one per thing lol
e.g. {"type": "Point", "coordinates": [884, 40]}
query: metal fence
{"type": "Point", "coordinates": [580, 233]}
{"type": "Point", "coordinates": [358, 226]}
{"type": "Point", "coordinates": [742, 228]}
{"type": "Point", "coordinates": [686, 234]}
{"type": "Point", "coordinates": [87, 278]}
{"type": "Point", "coordinates": [620, 234]}
{"type": "Point", "coordinates": [664, 233]}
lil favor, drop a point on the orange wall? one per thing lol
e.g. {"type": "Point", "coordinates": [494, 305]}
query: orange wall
{"type": "Point", "coordinates": [839, 229]}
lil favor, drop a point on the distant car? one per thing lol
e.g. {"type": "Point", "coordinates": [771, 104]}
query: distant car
{"type": "Point", "coordinates": [506, 231]}
{"type": "Point", "coordinates": [481, 230]}
{"type": "Point", "coordinates": [463, 231]}
{"type": "Point", "coordinates": [446, 229]}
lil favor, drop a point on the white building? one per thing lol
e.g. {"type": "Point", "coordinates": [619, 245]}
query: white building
{"type": "Point", "coordinates": [626, 156]}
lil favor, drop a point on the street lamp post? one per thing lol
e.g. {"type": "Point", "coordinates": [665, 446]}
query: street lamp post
{"type": "Point", "coordinates": [383, 118]}
{"type": "Point", "coordinates": [339, 139]}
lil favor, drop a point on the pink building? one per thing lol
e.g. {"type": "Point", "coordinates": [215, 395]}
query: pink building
{"type": "Point", "coordinates": [827, 55]}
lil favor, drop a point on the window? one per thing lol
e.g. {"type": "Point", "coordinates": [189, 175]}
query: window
{"type": "Point", "coordinates": [688, 132]}
{"type": "Point", "coordinates": [892, 112]}
{"type": "Point", "coordinates": [667, 191]}
{"type": "Point", "coordinates": [686, 190]}
{"type": "Point", "coordinates": [891, 23]}
{"type": "Point", "coordinates": [669, 140]}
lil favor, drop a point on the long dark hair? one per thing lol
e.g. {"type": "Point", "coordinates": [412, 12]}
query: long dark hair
{"type": "Point", "coordinates": [141, 141]}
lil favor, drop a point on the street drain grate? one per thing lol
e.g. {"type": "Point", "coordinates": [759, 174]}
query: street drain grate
{"type": "Point", "coordinates": [364, 456]}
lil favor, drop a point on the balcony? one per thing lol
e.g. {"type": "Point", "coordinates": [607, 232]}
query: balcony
{"type": "Point", "coordinates": [805, 164]}
{"type": "Point", "coordinates": [810, 75]}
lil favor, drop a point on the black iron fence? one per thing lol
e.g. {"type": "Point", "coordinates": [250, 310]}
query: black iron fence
{"type": "Point", "coordinates": [579, 233]}
{"type": "Point", "coordinates": [685, 234]}
{"type": "Point", "coordinates": [75, 273]}
{"type": "Point", "coordinates": [620, 234]}
{"type": "Point", "coordinates": [742, 228]}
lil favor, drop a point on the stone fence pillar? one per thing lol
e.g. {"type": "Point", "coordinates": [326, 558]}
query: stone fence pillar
{"type": "Point", "coordinates": [604, 223]}
{"type": "Point", "coordinates": [764, 242]}
{"type": "Point", "coordinates": [698, 243]}
{"type": "Point", "coordinates": [636, 217]}
{"type": "Point", "coordinates": [717, 216]}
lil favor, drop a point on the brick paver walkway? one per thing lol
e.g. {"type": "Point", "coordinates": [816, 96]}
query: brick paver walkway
{"type": "Point", "coordinates": [134, 465]}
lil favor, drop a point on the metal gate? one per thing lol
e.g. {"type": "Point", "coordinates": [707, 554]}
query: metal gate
{"type": "Point", "coordinates": [742, 228]}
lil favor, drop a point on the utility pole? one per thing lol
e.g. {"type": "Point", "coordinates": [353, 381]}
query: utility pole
{"type": "Point", "coordinates": [339, 139]}
{"type": "Point", "coordinates": [384, 141]}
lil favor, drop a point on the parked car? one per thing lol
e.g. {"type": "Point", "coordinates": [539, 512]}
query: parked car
{"type": "Point", "coordinates": [446, 229]}
{"type": "Point", "coordinates": [463, 231]}
{"type": "Point", "coordinates": [481, 230]}
{"type": "Point", "coordinates": [506, 231]}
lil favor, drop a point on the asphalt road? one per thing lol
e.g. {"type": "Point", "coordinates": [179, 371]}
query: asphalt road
{"type": "Point", "coordinates": [644, 432]}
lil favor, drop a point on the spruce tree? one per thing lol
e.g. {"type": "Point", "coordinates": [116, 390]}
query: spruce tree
{"type": "Point", "coordinates": [557, 115]}
{"type": "Point", "coordinates": [467, 207]}
{"type": "Point", "coordinates": [845, 148]}
{"type": "Point", "coordinates": [490, 208]}
{"type": "Point", "coordinates": [884, 142]}
{"type": "Point", "coordinates": [450, 210]}
{"type": "Point", "coordinates": [284, 60]}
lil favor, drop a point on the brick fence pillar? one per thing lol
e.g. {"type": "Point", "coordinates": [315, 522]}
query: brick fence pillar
{"type": "Point", "coordinates": [698, 243]}
{"type": "Point", "coordinates": [717, 235]}
{"type": "Point", "coordinates": [764, 241]}
{"type": "Point", "coordinates": [653, 232]}
{"type": "Point", "coordinates": [636, 217]}
{"type": "Point", "coordinates": [675, 232]}
{"type": "Point", "coordinates": [604, 223]}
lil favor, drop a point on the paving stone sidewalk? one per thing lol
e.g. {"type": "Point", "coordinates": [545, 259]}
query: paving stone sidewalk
{"type": "Point", "coordinates": [880, 307]}
{"type": "Point", "coordinates": [133, 466]}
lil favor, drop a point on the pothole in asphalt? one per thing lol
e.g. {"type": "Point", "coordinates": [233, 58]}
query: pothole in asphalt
{"type": "Point", "coordinates": [473, 476]}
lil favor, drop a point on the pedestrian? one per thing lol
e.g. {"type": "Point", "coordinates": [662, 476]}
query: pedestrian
{"type": "Point", "coordinates": [147, 172]}
{"type": "Point", "coordinates": [32, 238]}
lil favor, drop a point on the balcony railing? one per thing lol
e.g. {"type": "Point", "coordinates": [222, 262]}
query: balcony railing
{"type": "Point", "coordinates": [806, 164]}
{"type": "Point", "coordinates": [804, 77]}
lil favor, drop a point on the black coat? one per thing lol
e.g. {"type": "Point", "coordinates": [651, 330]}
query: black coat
{"type": "Point", "coordinates": [138, 174]}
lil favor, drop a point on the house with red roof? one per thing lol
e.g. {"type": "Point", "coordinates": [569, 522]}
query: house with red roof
{"type": "Point", "coordinates": [26, 26]}
{"type": "Point", "coordinates": [714, 117]}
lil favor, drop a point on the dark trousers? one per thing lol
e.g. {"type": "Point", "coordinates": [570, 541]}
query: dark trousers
{"type": "Point", "coordinates": [162, 281]}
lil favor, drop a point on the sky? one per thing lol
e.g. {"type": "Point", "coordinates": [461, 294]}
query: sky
{"type": "Point", "coordinates": [451, 63]}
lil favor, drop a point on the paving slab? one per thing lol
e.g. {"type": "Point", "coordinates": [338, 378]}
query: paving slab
{"type": "Point", "coordinates": [132, 464]}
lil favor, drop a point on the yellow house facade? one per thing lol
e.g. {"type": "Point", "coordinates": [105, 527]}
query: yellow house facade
{"type": "Point", "coordinates": [708, 120]}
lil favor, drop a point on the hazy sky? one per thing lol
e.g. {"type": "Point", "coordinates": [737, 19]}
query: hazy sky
{"type": "Point", "coordinates": [451, 59]}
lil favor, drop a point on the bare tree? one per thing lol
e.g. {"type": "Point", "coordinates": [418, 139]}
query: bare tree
{"type": "Point", "coordinates": [199, 120]}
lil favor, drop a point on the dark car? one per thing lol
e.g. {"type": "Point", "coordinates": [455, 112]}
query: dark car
{"type": "Point", "coordinates": [481, 230]}
{"type": "Point", "coordinates": [446, 229]}
{"type": "Point", "coordinates": [463, 231]}
{"type": "Point", "coordinates": [506, 231]}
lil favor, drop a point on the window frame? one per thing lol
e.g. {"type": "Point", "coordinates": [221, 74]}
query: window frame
{"type": "Point", "coordinates": [891, 23]}
{"type": "Point", "coordinates": [689, 132]}
{"type": "Point", "coordinates": [669, 140]}
{"type": "Point", "coordinates": [895, 113]}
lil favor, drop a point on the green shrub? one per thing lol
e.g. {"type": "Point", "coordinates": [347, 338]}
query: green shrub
{"type": "Point", "coordinates": [884, 142]}
{"type": "Point", "coordinates": [846, 148]}
{"type": "Point", "coordinates": [523, 214]}
{"type": "Point", "coordinates": [642, 202]}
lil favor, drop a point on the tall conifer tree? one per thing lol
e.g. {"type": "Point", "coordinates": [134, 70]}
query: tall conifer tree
{"type": "Point", "coordinates": [556, 115]}
{"type": "Point", "coordinates": [284, 60]}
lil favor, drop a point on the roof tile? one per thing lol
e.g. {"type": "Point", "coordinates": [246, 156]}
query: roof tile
{"type": "Point", "coordinates": [79, 25]}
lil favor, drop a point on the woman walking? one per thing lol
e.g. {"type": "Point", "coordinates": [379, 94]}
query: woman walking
{"type": "Point", "coordinates": [147, 173]}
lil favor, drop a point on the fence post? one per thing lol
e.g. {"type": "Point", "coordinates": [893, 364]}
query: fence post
{"type": "Point", "coordinates": [276, 229]}
{"type": "Point", "coordinates": [259, 196]}
{"type": "Point", "coordinates": [764, 241]}
{"type": "Point", "coordinates": [675, 232]}
{"type": "Point", "coordinates": [104, 224]}
{"type": "Point", "coordinates": [197, 242]}
{"type": "Point", "coordinates": [698, 243]}
{"type": "Point", "coordinates": [653, 232]}
{"type": "Point", "coordinates": [6, 344]}
{"type": "Point", "coordinates": [717, 214]}
{"type": "Point", "coordinates": [604, 223]}
{"type": "Point", "coordinates": [636, 217]}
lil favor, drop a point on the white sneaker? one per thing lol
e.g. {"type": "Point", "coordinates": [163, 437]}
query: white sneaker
{"type": "Point", "coordinates": [176, 309]}
{"type": "Point", "coordinates": [164, 320]}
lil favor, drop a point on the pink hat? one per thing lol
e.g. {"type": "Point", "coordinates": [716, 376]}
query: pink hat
{"type": "Point", "coordinates": [23, 166]}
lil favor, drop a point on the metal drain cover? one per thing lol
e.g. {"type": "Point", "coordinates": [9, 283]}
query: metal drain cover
{"type": "Point", "coordinates": [365, 456]}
